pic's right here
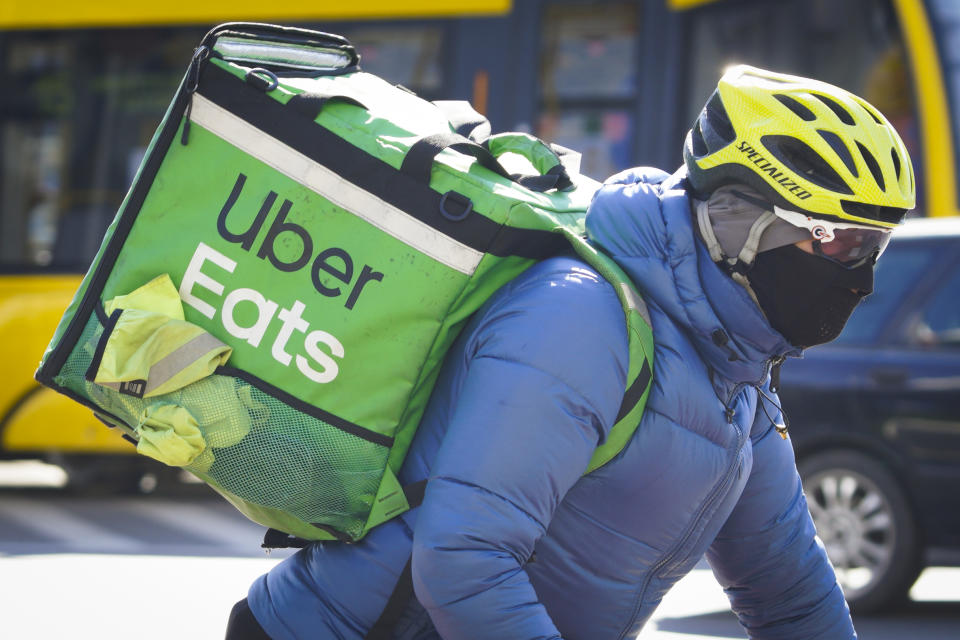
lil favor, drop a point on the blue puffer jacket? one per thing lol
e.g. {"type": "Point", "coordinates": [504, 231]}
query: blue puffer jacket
{"type": "Point", "coordinates": [512, 541]}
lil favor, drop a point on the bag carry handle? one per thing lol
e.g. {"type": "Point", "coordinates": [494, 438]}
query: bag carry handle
{"type": "Point", "coordinates": [546, 159]}
{"type": "Point", "coordinates": [283, 49]}
{"type": "Point", "coordinates": [419, 162]}
{"type": "Point", "coordinates": [553, 162]}
{"type": "Point", "coordinates": [419, 159]}
{"type": "Point", "coordinates": [464, 119]}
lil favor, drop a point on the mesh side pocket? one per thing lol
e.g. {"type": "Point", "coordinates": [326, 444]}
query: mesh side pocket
{"type": "Point", "coordinates": [287, 460]}
{"type": "Point", "coordinates": [71, 376]}
{"type": "Point", "coordinates": [258, 448]}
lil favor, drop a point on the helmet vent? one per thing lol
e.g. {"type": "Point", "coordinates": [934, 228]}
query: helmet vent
{"type": "Point", "coordinates": [869, 109]}
{"type": "Point", "coordinates": [696, 138]}
{"type": "Point", "coordinates": [718, 119]}
{"type": "Point", "coordinates": [896, 161]}
{"type": "Point", "coordinates": [802, 159]}
{"type": "Point", "coordinates": [873, 211]}
{"type": "Point", "coordinates": [801, 111]}
{"type": "Point", "coordinates": [873, 165]}
{"type": "Point", "coordinates": [840, 112]}
{"type": "Point", "coordinates": [841, 150]}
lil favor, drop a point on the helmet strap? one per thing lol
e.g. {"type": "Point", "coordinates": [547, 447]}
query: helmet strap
{"type": "Point", "coordinates": [736, 267]}
{"type": "Point", "coordinates": [706, 232]}
{"type": "Point", "coordinates": [749, 251]}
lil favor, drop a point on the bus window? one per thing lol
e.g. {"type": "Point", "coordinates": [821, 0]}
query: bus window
{"type": "Point", "coordinates": [86, 105]}
{"type": "Point", "coordinates": [602, 136]}
{"type": "Point", "coordinates": [588, 81]}
{"type": "Point", "coordinates": [409, 56]}
{"type": "Point", "coordinates": [73, 133]}
{"type": "Point", "coordinates": [856, 45]}
{"type": "Point", "coordinates": [945, 18]}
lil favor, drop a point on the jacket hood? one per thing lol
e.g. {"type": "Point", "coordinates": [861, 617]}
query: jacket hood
{"type": "Point", "coordinates": [643, 219]}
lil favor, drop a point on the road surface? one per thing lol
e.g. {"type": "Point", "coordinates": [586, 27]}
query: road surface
{"type": "Point", "coordinates": [168, 567]}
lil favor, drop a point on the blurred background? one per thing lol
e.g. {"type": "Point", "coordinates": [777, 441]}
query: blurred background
{"type": "Point", "coordinates": [875, 417]}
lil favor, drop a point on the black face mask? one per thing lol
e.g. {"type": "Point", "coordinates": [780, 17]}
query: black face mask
{"type": "Point", "coordinates": [807, 298]}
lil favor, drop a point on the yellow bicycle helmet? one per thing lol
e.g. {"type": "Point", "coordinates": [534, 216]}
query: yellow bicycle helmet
{"type": "Point", "coordinates": [806, 146]}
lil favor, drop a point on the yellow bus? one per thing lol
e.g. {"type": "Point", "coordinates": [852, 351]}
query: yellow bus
{"type": "Point", "coordinates": [85, 84]}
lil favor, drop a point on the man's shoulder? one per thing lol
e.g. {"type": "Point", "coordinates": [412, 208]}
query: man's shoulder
{"type": "Point", "coordinates": [560, 281]}
{"type": "Point", "coordinates": [560, 300]}
{"type": "Point", "coordinates": [626, 214]}
{"type": "Point", "coordinates": [559, 320]}
{"type": "Point", "coordinates": [644, 175]}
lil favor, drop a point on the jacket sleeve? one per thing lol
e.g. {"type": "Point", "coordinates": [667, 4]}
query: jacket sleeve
{"type": "Point", "coordinates": [768, 559]}
{"type": "Point", "coordinates": [542, 381]}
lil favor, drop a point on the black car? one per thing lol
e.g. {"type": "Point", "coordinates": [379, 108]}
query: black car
{"type": "Point", "coordinates": [875, 421]}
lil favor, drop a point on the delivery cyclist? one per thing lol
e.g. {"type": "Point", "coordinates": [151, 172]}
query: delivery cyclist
{"type": "Point", "coordinates": [760, 246]}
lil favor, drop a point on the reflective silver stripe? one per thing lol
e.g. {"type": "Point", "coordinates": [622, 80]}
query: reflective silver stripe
{"type": "Point", "coordinates": [289, 55]}
{"type": "Point", "coordinates": [636, 303]}
{"type": "Point", "coordinates": [169, 366]}
{"type": "Point", "coordinates": [328, 184]}
{"type": "Point", "coordinates": [181, 358]}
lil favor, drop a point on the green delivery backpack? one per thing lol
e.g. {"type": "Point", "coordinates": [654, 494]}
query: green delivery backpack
{"type": "Point", "coordinates": [300, 247]}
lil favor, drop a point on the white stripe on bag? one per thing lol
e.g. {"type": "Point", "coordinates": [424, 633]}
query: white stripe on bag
{"type": "Point", "coordinates": [328, 184]}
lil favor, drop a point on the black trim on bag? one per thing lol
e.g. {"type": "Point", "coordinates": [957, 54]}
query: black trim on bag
{"type": "Point", "coordinates": [414, 493]}
{"type": "Point", "coordinates": [276, 539]}
{"type": "Point", "coordinates": [635, 392]}
{"type": "Point", "coordinates": [288, 35]}
{"type": "Point", "coordinates": [126, 218]}
{"type": "Point", "coordinates": [465, 119]}
{"type": "Point", "coordinates": [369, 173]}
{"type": "Point", "coordinates": [419, 159]}
{"type": "Point", "coordinates": [108, 327]}
{"type": "Point", "coordinates": [339, 535]}
{"type": "Point", "coordinates": [95, 408]}
{"type": "Point", "coordinates": [101, 314]}
{"type": "Point", "coordinates": [421, 156]}
{"type": "Point", "coordinates": [311, 104]}
{"type": "Point", "coordinates": [98, 412]}
{"type": "Point", "coordinates": [303, 407]}
{"type": "Point", "coordinates": [109, 425]}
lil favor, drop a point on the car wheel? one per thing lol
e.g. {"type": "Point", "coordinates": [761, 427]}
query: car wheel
{"type": "Point", "coordinates": [866, 524]}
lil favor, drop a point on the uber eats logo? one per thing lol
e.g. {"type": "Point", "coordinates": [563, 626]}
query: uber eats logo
{"type": "Point", "coordinates": [333, 272]}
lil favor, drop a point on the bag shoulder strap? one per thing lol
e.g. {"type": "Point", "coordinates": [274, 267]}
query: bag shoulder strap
{"type": "Point", "coordinates": [640, 345]}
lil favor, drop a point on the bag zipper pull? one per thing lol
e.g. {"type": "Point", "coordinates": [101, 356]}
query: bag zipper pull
{"type": "Point", "coordinates": [200, 54]}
